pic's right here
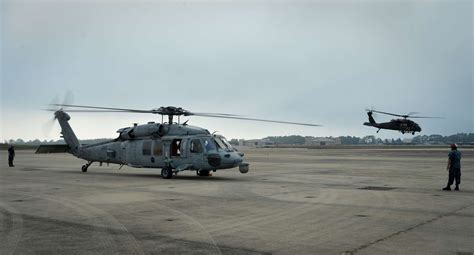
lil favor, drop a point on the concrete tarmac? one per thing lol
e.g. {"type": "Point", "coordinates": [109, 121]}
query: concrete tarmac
{"type": "Point", "coordinates": [292, 201]}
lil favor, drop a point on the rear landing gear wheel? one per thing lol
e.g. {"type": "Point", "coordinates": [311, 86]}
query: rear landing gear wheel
{"type": "Point", "coordinates": [202, 173]}
{"type": "Point", "coordinates": [167, 173]}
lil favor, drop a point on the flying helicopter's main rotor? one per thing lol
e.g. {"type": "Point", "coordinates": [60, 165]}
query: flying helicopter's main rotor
{"type": "Point", "coordinates": [172, 111]}
{"type": "Point", "coordinates": [405, 116]}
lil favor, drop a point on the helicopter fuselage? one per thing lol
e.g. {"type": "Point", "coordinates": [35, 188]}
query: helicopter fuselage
{"type": "Point", "coordinates": [188, 152]}
{"type": "Point", "coordinates": [403, 125]}
{"type": "Point", "coordinates": [171, 147]}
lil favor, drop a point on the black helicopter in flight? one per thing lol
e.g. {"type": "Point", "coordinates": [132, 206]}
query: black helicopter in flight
{"type": "Point", "coordinates": [404, 125]}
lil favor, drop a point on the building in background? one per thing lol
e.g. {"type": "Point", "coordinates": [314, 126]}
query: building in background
{"type": "Point", "coordinates": [322, 141]}
{"type": "Point", "coordinates": [257, 143]}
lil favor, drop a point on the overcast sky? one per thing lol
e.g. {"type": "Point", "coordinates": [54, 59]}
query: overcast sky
{"type": "Point", "coordinates": [304, 61]}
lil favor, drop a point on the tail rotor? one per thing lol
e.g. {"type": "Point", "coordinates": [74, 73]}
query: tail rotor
{"type": "Point", "coordinates": [49, 126]}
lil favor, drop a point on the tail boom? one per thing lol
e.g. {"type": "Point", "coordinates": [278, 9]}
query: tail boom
{"type": "Point", "coordinates": [67, 132]}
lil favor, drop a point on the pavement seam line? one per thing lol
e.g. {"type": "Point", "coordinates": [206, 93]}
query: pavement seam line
{"type": "Point", "coordinates": [364, 246]}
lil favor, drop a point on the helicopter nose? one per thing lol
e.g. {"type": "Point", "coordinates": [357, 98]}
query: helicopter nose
{"type": "Point", "coordinates": [237, 159]}
{"type": "Point", "coordinates": [230, 159]}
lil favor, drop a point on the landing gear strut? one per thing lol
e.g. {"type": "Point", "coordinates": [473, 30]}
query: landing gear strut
{"type": "Point", "coordinates": [84, 167]}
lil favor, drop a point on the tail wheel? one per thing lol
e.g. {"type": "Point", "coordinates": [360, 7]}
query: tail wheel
{"type": "Point", "coordinates": [167, 173]}
{"type": "Point", "coordinates": [84, 168]}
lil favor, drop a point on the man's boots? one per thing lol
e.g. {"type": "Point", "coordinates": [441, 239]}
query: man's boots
{"type": "Point", "coordinates": [457, 187]}
{"type": "Point", "coordinates": [447, 188]}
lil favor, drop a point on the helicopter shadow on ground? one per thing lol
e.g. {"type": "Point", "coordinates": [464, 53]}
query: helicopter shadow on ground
{"type": "Point", "coordinates": [157, 176]}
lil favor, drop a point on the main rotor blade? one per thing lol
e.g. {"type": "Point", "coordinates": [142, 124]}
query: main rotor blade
{"type": "Point", "coordinates": [98, 111]}
{"type": "Point", "coordinates": [105, 108]}
{"type": "Point", "coordinates": [408, 115]}
{"type": "Point", "coordinates": [411, 113]}
{"type": "Point", "coordinates": [425, 117]}
{"type": "Point", "coordinates": [393, 114]}
{"type": "Point", "coordinates": [254, 119]}
{"type": "Point", "coordinates": [211, 113]}
{"type": "Point", "coordinates": [112, 109]}
{"type": "Point", "coordinates": [94, 109]}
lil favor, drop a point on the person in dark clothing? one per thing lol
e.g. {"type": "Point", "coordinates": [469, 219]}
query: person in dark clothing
{"type": "Point", "coordinates": [454, 167]}
{"type": "Point", "coordinates": [11, 155]}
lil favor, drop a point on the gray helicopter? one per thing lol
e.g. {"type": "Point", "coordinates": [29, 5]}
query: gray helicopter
{"type": "Point", "coordinates": [170, 146]}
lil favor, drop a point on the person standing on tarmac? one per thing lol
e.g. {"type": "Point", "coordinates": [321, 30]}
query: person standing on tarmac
{"type": "Point", "coordinates": [454, 167]}
{"type": "Point", "coordinates": [11, 155]}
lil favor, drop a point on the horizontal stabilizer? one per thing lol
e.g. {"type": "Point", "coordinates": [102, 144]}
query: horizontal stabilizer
{"type": "Point", "coordinates": [53, 148]}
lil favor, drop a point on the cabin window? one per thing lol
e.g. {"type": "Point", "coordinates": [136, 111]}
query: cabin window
{"type": "Point", "coordinates": [146, 149]}
{"type": "Point", "coordinates": [196, 146]}
{"type": "Point", "coordinates": [175, 148]}
{"type": "Point", "coordinates": [157, 148]}
{"type": "Point", "coordinates": [210, 144]}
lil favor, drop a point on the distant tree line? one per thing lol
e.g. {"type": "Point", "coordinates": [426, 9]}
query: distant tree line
{"type": "Point", "coordinates": [60, 141]}
{"type": "Point", "coordinates": [292, 139]}
{"type": "Point", "coordinates": [461, 138]}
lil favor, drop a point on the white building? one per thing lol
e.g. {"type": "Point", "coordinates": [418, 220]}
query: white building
{"type": "Point", "coordinates": [256, 142]}
{"type": "Point", "coordinates": [322, 141]}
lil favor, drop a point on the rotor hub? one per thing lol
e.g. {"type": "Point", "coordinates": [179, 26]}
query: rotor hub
{"type": "Point", "coordinates": [171, 111]}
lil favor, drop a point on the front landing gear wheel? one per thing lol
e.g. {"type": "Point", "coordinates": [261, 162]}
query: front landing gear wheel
{"type": "Point", "coordinates": [84, 167]}
{"type": "Point", "coordinates": [167, 173]}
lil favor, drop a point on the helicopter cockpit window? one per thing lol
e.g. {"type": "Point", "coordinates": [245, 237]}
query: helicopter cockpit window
{"type": "Point", "coordinates": [219, 142]}
{"type": "Point", "coordinates": [229, 146]}
{"type": "Point", "coordinates": [196, 146]}
{"type": "Point", "coordinates": [158, 148]}
{"type": "Point", "coordinates": [175, 148]}
{"type": "Point", "coordinates": [210, 144]}
{"type": "Point", "coordinates": [146, 149]}
{"type": "Point", "coordinates": [223, 143]}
